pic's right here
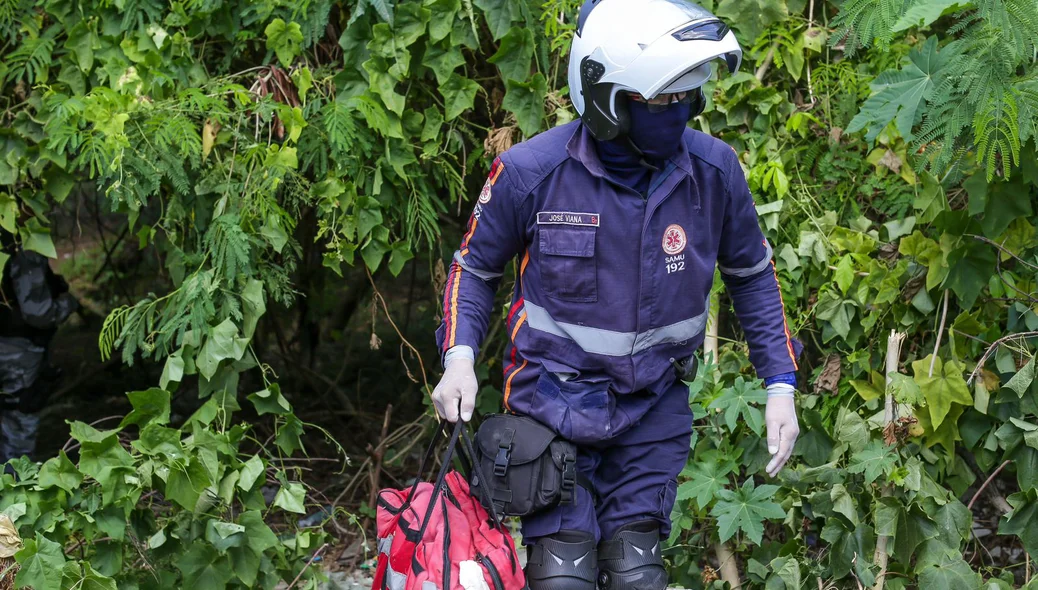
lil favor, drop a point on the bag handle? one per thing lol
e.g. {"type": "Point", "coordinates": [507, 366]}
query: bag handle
{"type": "Point", "coordinates": [481, 481]}
{"type": "Point", "coordinates": [440, 477]}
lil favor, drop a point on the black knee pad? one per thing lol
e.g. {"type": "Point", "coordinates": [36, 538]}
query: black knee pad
{"type": "Point", "coordinates": [632, 559]}
{"type": "Point", "coordinates": [567, 560]}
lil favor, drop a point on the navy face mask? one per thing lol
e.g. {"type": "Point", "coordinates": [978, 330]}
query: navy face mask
{"type": "Point", "coordinates": [657, 135]}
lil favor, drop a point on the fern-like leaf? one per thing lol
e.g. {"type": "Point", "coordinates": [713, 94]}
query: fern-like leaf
{"type": "Point", "coordinates": [32, 59]}
{"type": "Point", "coordinates": [997, 134]}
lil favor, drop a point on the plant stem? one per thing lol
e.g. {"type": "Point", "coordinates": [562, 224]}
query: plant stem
{"type": "Point", "coordinates": [984, 485]}
{"type": "Point", "coordinates": [893, 355]}
{"type": "Point", "coordinates": [940, 333]}
{"type": "Point", "coordinates": [726, 565]}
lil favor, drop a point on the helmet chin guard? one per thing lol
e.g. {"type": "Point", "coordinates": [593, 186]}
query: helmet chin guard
{"type": "Point", "coordinates": [649, 47]}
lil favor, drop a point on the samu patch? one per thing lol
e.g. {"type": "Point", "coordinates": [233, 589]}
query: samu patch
{"type": "Point", "coordinates": [567, 218]}
{"type": "Point", "coordinates": [495, 171]}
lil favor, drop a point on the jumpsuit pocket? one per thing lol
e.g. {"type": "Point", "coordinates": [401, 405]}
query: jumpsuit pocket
{"type": "Point", "coordinates": [580, 412]}
{"type": "Point", "coordinates": [567, 263]}
{"type": "Point", "coordinates": [668, 495]}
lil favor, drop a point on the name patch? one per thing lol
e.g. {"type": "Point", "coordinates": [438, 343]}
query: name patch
{"type": "Point", "coordinates": [568, 218]}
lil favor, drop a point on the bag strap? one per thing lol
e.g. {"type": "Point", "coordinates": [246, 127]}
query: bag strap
{"type": "Point", "coordinates": [421, 468]}
{"type": "Point", "coordinates": [481, 481]}
{"type": "Point", "coordinates": [440, 477]}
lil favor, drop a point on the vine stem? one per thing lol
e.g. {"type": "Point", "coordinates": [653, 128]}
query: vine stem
{"type": "Point", "coordinates": [984, 485]}
{"type": "Point", "coordinates": [763, 69]}
{"type": "Point", "coordinates": [940, 333]}
{"type": "Point", "coordinates": [307, 566]}
{"type": "Point", "coordinates": [894, 343]}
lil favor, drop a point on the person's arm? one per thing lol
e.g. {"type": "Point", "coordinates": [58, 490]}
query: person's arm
{"type": "Point", "coordinates": [37, 303]}
{"type": "Point", "coordinates": [747, 267]}
{"type": "Point", "coordinates": [493, 237]}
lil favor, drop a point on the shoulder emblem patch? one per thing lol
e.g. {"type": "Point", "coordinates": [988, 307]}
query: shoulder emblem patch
{"type": "Point", "coordinates": [674, 239]}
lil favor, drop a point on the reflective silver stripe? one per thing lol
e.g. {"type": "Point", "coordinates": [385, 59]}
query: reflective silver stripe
{"type": "Point", "coordinates": [429, 585]}
{"type": "Point", "coordinates": [385, 544]}
{"type": "Point", "coordinates": [609, 342]}
{"type": "Point", "coordinates": [483, 274]}
{"type": "Point", "coordinates": [678, 332]}
{"type": "Point", "coordinates": [749, 272]}
{"type": "Point", "coordinates": [395, 580]}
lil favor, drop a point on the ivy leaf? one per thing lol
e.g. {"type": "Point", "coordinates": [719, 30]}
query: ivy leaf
{"type": "Point", "coordinates": [1021, 381]}
{"type": "Point", "coordinates": [286, 40]}
{"type": "Point", "coordinates": [409, 22]}
{"type": "Point", "coordinates": [149, 406]}
{"type": "Point", "coordinates": [945, 387]}
{"type": "Point", "coordinates": [1022, 521]}
{"type": "Point", "coordinates": [898, 94]}
{"type": "Point", "coordinates": [270, 401]}
{"type": "Point", "coordinates": [1007, 201]}
{"type": "Point", "coordinates": [873, 461]}
{"type": "Point", "coordinates": [843, 503]}
{"type": "Point", "coordinates": [204, 568]}
{"type": "Point", "coordinates": [905, 390]}
{"type": "Point", "coordinates": [735, 402]}
{"type": "Point", "coordinates": [254, 305]}
{"type": "Point", "coordinates": [526, 101]}
{"type": "Point", "coordinates": [186, 482]}
{"type": "Point", "coordinates": [291, 498]}
{"type": "Point", "coordinates": [953, 573]}
{"type": "Point", "coordinates": [250, 472]}
{"type": "Point", "coordinates": [458, 95]}
{"type": "Point", "coordinates": [499, 15]}
{"type": "Point", "coordinates": [223, 343]}
{"type": "Point", "coordinates": [433, 123]}
{"type": "Point", "coordinates": [707, 479]}
{"type": "Point", "coordinates": [931, 200]}
{"type": "Point", "coordinates": [845, 273]}
{"type": "Point", "coordinates": [745, 509]}
{"type": "Point", "coordinates": [41, 562]}
{"type": "Point", "coordinates": [60, 472]}
{"type": "Point", "coordinates": [836, 312]}
{"type": "Point", "coordinates": [514, 54]}
{"type": "Point", "coordinates": [37, 238]}
{"type": "Point", "coordinates": [384, 85]}
{"type": "Point", "coordinates": [443, 61]}
{"type": "Point", "coordinates": [970, 269]}
{"type": "Point", "coordinates": [442, 13]}
{"type": "Point", "coordinates": [172, 370]}
{"type": "Point", "coordinates": [851, 429]}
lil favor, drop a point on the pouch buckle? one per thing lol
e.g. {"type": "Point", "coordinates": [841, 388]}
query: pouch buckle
{"type": "Point", "coordinates": [569, 478]}
{"type": "Point", "coordinates": [501, 460]}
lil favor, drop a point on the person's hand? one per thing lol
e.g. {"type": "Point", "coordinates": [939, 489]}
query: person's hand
{"type": "Point", "coordinates": [780, 416]}
{"type": "Point", "coordinates": [456, 388]}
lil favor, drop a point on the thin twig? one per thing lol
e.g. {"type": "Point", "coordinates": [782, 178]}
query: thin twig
{"type": "Point", "coordinates": [1004, 249]}
{"type": "Point", "coordinates": [385, 309]}
{"type": "Point", "coordinates": [763, 69]}
{"type": "Point", "coordinates": [985, 484]}
{"type": "Point", "coordinates": [377, 455]}
{"type": "Point", "coordinates": [940, 333]}
{"type": "Point", "coordinates": [305, 567]}
{"type": "Point", "coordinates": [991, 350]}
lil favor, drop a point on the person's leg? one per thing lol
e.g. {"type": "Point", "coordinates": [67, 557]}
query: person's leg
{"type": "Point", "coordinates": [637, 482]}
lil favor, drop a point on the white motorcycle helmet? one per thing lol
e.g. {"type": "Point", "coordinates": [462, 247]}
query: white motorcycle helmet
{"type": "Point", "coordinates": [648, 47]}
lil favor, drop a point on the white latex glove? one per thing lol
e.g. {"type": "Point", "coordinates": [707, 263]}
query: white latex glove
{"type": "Point", "coordinates": [456, 388]}
{"type": "Point", "coordinates": [780, 417]}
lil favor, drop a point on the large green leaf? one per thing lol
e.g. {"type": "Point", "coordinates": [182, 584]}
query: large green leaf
{"type": "Point", "coordinates": [186, 482]}
{"type": "Point", "coordinates": [945, 387]}
{"type": "Point", "coordinates": [526, 101]}
{"type": "Point", "coordinates": [898, 94]}
{"type": "Point", "coordinates": [708, 477]}
{"type": "Point", "coordinates": [735, 402]}
{"type": "Point", "coordinates": [443, 61]}
{"type": "Point", "coordinates": [286, 40]}
{"type": "Point", "coordinates": [746, 509]}
{"type": "Point", "coordinates": [921, 14]}
{"type": "Point", "coordinates": [41, 562]}
{"type": "Point", "coordinates": [970, 269]}
{"type": "Point", "coordinates": [1023, 520]}
{"type": "Point", "coordinates": [204, 568]}
{"type": "Point", "coordinates": [950, 574]}
{"type": "Point", "coordinates": [873, 461]}
{"type": "Point", "coordinates": [515, 54]}
{"type": "Point", "coordinates": [458, 95]}
{"type": "Point", "coordinates": [499, 14]}
{"type": "Point", "coordinates": [1006, 202]}
{"type": "Point", "coordinates": [60, 472]}
{"type": "Point", "coordinates": [149, 406]}
{"type": "Point", "coordinates": [442, 17]}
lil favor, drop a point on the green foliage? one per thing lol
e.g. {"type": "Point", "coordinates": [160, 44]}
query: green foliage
{"type": "Point", "coordinates": [218, 132]}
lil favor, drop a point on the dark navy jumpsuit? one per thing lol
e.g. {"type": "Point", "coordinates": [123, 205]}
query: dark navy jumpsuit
{"type": "Point", "coordinates": [613, 286]}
